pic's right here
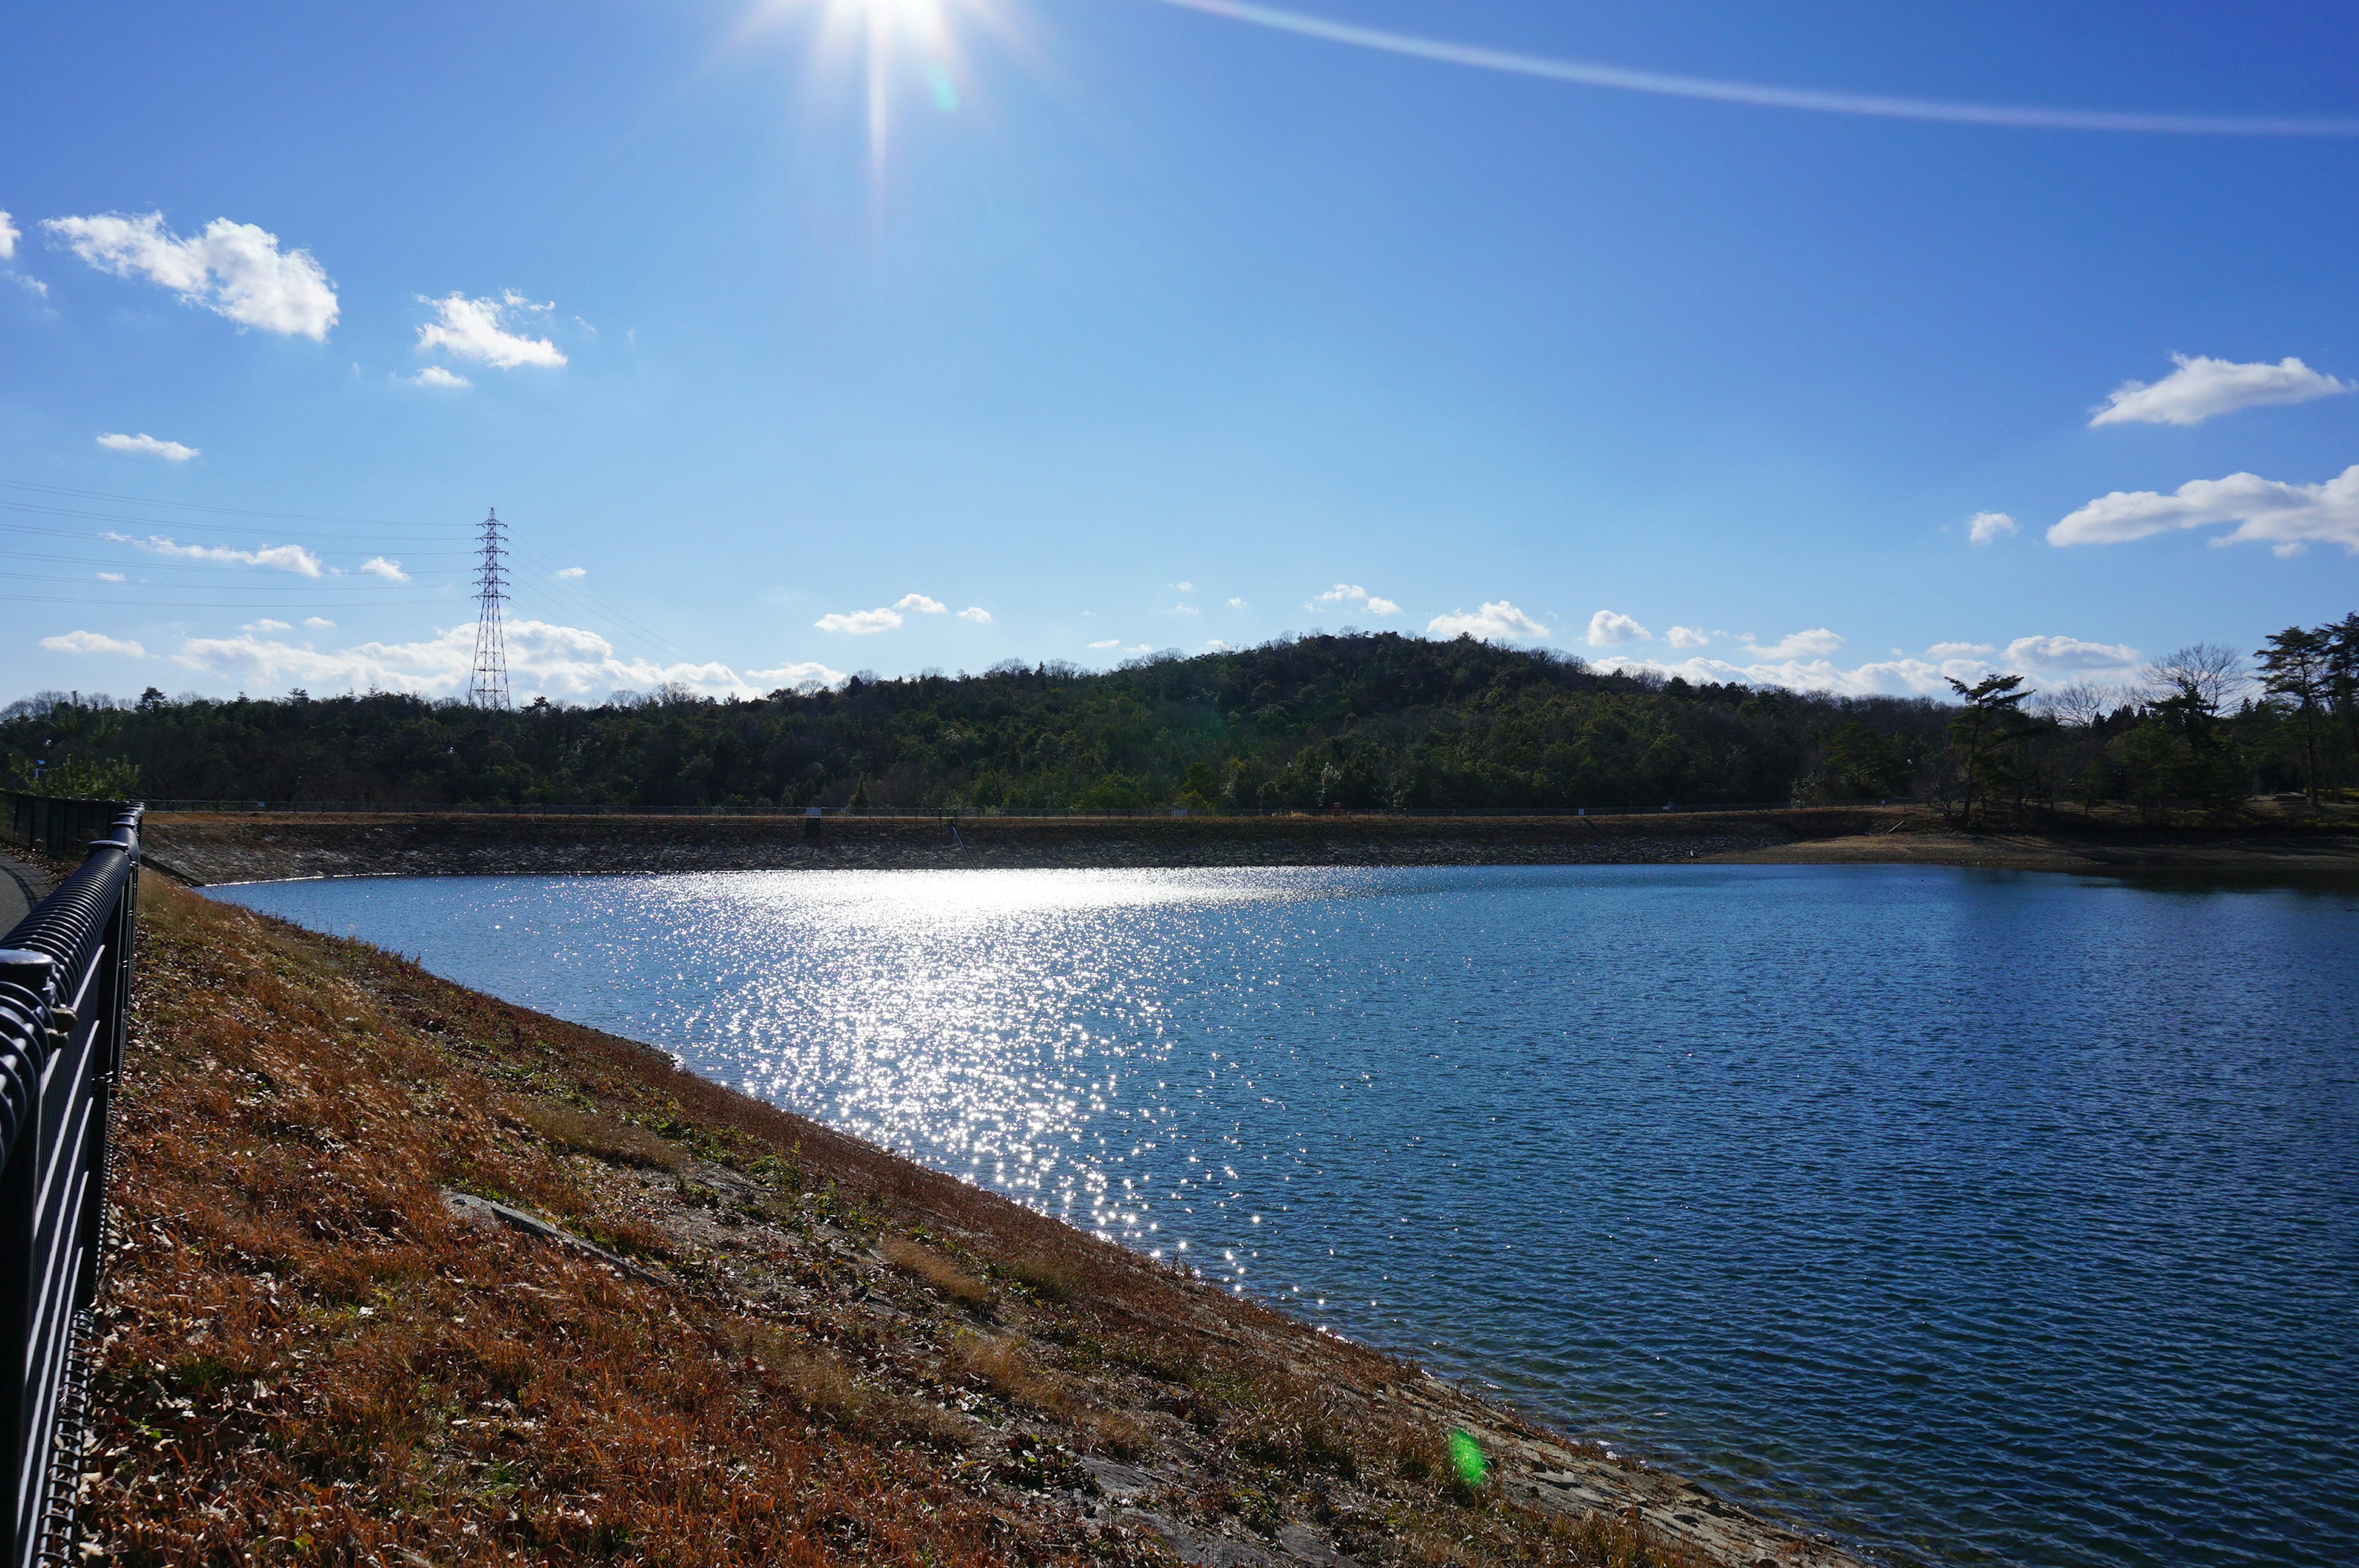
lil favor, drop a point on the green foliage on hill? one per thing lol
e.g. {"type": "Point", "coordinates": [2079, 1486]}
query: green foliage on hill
{"type": "Point", "coordinates": [1369, 721]}
{"type": "Point", "coordinates": [1356, 722]}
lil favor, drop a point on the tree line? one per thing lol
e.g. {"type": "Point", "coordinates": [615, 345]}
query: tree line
{"type": "Point", "coordinates": [1353, 721]}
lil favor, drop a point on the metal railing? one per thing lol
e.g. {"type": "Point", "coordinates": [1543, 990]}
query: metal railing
{"type": "Point", "coordinates": [65, 991]}
{"type": "Point", "coordinates": [56, 826]}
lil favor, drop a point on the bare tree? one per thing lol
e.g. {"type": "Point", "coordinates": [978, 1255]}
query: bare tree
{"type": "Point", "coordinates": [2206, 675]}
{"type": "Point", "coordinates": [2078, 706]}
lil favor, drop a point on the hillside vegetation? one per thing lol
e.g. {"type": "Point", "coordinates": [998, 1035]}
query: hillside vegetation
{"type": "Point", "coordinates": [1355, 722]}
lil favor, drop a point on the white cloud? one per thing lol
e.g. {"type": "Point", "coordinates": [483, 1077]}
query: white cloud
{"type": "Point", "coordinates": [1109, 642]}
{"type": "Point", "coordinates": [1185, 609]}
{"type": "Point", "coordinates": [2042, 659]}
{"type": "Point", "coordinates": [278, 558]}
{"type": "Point", "coordinates": [9, 235]}
{"type": "Point", "coordinates": [146, 446]}
{"type": "Point", "coordinates": [976, 613]}
{"type": "Point", "coordinates": [1185, 587]}
{"type": "Point", "coordinates": [2202, 387]}
{"type": "Point", "coordinates": [554, 660]}
{"type": "Point", "coordinates": [109, 576]}
{"type": "Point", "coordinates": [1686, 637]}
{"type": "Point", "coordinates": [2288, 516]}
{"type": "Point", "coordinates": [1237, 604]}
{"type": "Point", "coordinates": [920, 603]}
{"type": "Point", "coordinates": [1497, 621]}
{"type": "Point", "coordinates": [1984, 527]}
{"type": "Point", "coordinates": [1217, 646]}
{"type": "Point", "coordinates": [435, 375]}
{"type": "Point", "coordinates": [92, 643]}
{"type": "Point", "coordinates": [2050, 656]}
{"type": "Point", "coordinates": [808, 675]}
{"type": "Point", "coordinates": [476, 329]}
{"type": "Point", "coordinates": [570, 573]}
{"type": "Point", "coordinates": [377, 565]}
{"type": "Point", "coordinates": [32, 283]}
{"type": "Point", "coordinates": [231, 269]}
{"type": "Point", "coordinates": [1343, 593]}
{"type": "Point", "coordinates": [318, 623]}
{"type": "Point", "coordinates": [1816, 642]}
{"type": "Point", "coordinates": [860, 623]}
{"type": "Point", "coordinates": [265, 624]}
{"type": "Point", "coordinates": [1608, 630]}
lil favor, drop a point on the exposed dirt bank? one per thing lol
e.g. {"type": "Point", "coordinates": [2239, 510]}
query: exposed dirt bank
{"type": "Point", "coordinates": [205, 848]}
{"type": "Point", "coordinates": [735, 1336]}
{"type": "Point", "coordinates": [2230, 852]}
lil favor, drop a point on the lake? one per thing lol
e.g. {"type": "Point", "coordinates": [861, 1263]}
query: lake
{"type": "Point", "coordinates": [1974, 1216]}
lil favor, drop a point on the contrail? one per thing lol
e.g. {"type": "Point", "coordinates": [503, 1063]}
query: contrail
{"type": "Point", "coordinates": [1663, 84]}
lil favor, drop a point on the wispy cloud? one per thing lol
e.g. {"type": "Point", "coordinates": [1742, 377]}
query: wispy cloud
{"type": "Point", "coordinates": [808, 675]}
{"type": "Point", "coordinates": [146, 446]}
{"type": "Point", "coordinates": [1237, 604]}
{"type": "Point", "coordinates": [1608, 630]}
{"type": "Point", "coordinates": [231, 269]}
{"type": "Point", "coordinates": [9, 235]}
{"type": "Point", "coordinates": [2202, 388]}
{"type": "Point", "coordinates": [1687, 637]}
{"type": "Point", "coordinates": [1985, 527]}
{"type": "Point", "coordinates": [436, 377]}
{"type": "Point", "coordinates": [920, 603]}
{"type": "Point", "coordinates": [267, 624]}
{"type": "Point", "coordinates": [1497, 622]}
{"type": "Point", "coordinates": [94, 642]}
{"type": "Point", "coordinates": [109, 576]}
{"type": "Point", "coordinates": [477, 329]}
{"type": "Point", "coordinates": [570, 573]}
{"type": "Point", "coordinates": [377, 565]}
{"type": "Point", "coordinates": [976, 613]}
{"type": "Point", "coordinates": [2286, 517]}
{"type": "Point", "coordinates": [318, 623]}
{"type": "Point", "coordinates": [275, 558]}
{"type": "Point", "coordinates": [1873, 105]}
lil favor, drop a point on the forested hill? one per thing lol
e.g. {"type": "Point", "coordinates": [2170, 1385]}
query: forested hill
{"type": "Point", "coordinates": [1355, 720]}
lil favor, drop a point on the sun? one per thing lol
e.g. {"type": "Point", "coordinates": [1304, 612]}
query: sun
{"type": "Point", "coordinates": [891, 47]}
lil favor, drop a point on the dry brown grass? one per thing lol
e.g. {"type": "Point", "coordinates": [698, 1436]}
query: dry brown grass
{"type": "Point", "coordinates": [306, 1358]}
{"type": "Point", "coordinates": [575, 1131]}
{"type": "Point", "coordinates": [937, 1273]}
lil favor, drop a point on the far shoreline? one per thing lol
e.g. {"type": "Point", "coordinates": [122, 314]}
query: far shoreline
{"type": "Point", "coordinates": [209, 849]}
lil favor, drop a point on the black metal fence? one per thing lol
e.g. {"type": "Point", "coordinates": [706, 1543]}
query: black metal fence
{"type": "Point", "coordinates": [925, 813]}
{"type": "Point", "coordinates": [58, 828]}
{"type": "Point", "coordinates": [65, 991]}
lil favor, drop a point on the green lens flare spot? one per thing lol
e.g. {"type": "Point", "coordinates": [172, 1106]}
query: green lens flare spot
{"type": "Point", "coordinates": [1466, 1458]}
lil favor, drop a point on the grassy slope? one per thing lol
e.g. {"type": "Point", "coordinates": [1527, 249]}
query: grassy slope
{"type": "Point", "coordinates": [820, 1354]}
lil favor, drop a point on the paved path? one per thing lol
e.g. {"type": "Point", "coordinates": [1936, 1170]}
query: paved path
{"type": "Point", "coordinates": [18, 882]}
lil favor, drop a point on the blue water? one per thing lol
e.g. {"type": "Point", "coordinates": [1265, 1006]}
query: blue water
{"type": "Point", "coordinates": [1976, 1218]}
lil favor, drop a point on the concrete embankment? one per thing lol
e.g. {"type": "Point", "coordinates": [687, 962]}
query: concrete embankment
{"type": "Point", "coordinates": [264, 847]}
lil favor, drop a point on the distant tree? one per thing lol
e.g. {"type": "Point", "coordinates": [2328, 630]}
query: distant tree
{"type": "Point", "coordinates": [2296, 665]}
{"type": "Point", "coordinates": [1991, 720]}
{"type": "Point", "coordinates": [1872, 763]}
{"type": "Point", "coordinates": [2343, 675]}
{"type": "Point", "coordinates": [2206, 675]}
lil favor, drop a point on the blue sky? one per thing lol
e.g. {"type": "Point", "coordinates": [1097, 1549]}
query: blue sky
{"type": "Point", "coordinates": [1113, 325]}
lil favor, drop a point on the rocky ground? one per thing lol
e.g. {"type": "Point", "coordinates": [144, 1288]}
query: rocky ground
{"type": "Point", "coordinates": [403, 1274]}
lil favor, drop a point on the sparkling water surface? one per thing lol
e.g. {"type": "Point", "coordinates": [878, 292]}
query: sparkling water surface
{"type": "Point", "coordinates": [1974, 1216]}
